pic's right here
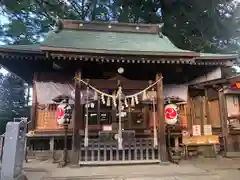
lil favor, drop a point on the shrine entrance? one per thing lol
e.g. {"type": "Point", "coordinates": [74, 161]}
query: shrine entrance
{"type": "Point", "coordinates": [117, 128]}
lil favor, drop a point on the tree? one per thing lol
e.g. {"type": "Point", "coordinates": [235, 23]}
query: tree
{"type": "Point", "coordinates": [30, 21]}
{"type": "Point", "coordinates": [12, 99]}
{"type": "Point", "coordinates": [210, 26]}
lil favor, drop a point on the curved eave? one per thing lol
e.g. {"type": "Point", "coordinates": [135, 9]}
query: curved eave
{"type": "Point", "coordinates": [38, 51]}
{"type": "Point", "coordinates": [209, 56]}
{"type": "Point", "coordinates": [119, 52]}
{"type": "Point", "coordinates": [208, 83]}
{"type": "Point", "coordinates": [6, 52]}
{"type": "Point", "coordinates": [20, 51]}
{"type": "Point", "coordinates": [16, 59]}
{"type": "Point", "coordinates": [234, 79]}
{"type": "Point", "coordinates": [220, 81]}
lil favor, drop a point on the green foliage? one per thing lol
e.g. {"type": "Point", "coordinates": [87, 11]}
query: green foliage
{"type": "Point", "coordinates": [210, 26]}
{"type": "Point", "coordinates": [12, 99]}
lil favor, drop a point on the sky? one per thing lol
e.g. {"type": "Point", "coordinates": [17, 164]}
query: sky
{"type": "Point", "coordinates": [3, 20]}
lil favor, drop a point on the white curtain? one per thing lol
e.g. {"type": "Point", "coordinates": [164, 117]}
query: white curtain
{"type": "Point", "coordinates": [46, 91]}
{"type": "Point", "coordinates": [175, 90]}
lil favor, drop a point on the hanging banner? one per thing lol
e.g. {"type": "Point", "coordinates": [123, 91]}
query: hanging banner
{"type": "Point", "coordinates": [171, 115]}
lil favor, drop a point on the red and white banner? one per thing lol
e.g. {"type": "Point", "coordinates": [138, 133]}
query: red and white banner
{"type": "Point", "coordinates": [171, 114]}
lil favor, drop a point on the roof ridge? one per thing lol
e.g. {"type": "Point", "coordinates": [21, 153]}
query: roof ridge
{"type": "Point", "coordinates": [107, 23]}
{"type": "Point", "coordinates": [110, 26]}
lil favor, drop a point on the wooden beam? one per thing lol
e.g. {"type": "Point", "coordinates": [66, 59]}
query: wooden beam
{"type": "Point", "coordinates": [112, 84]}
{"type": "Point", "coordinates": [77, 122]}
{"type": "Point", "coordinates": [224, 117]}
{"type": "Point", "coordinates": [161, 125]}
{"type": "Point", "coordinates": [32, 124]}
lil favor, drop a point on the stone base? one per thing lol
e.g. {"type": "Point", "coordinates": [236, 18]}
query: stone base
{"type": "Point", "coordinates": [21, 177]}
{"type": "Point", "coordinates": [74, 165]}
{"type": "Point", "coordinates": [164, 163]}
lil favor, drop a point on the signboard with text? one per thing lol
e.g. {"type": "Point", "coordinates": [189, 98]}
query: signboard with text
{"type": "Point", "coordinates": [207, 129]}
{"type": "Point", "coordinates": [107, 127]}
{"type": "Point", "coordinates": [196, 130]}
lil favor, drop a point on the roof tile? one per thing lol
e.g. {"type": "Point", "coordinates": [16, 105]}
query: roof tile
{"type": "Point", "coordinates": [112, 42]}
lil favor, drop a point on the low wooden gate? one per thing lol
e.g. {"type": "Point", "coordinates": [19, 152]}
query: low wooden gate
{"type": "Point", "coordinates": [135, 151]}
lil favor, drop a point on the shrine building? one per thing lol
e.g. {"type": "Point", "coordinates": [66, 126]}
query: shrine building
{"type": "Point", "coordinates": [89, 61]}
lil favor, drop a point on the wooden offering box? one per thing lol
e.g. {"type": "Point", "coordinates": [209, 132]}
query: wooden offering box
{"type": "Point", "coordinates": [200, 140]}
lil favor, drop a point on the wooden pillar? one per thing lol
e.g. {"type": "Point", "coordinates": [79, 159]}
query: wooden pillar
{"type": "Point", "coordinates": [207, 107]}
{"type": "Point", "coordinates": [224, 116]}
{"type": "Point", "coordinates": [129, 116]}
{"type": "Point", "coordinates": [32, 124]}
{"type": "Point", "coordinates": [77, 122]}
{"type": "Point", "coordinates": [176, 143]}
{"type": "Point", "coordinates": [193, 113]}
{"type": "Point", "coordinates": [161, 118]}
{"type": "Point", "coordinates": [114, 116]}
{"type": "Point", "coordinates": [202, 113]}
{"type": "Point", "coordinates": [189, 114]}
{"type": "Point", "coordinates": [98, 111]}
{"type": "Point", "coordinates": [51, 144]}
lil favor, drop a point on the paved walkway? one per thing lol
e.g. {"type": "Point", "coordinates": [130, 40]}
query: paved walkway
{"type": "Point", "coordinates": [200, 169]}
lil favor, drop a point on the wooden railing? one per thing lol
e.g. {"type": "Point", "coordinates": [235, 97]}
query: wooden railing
{"type": "Point", "coordinates": [136, 150]}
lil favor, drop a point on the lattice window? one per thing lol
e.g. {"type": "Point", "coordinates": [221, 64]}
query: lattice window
{"type": "Point", "coordinates": [46, 117]}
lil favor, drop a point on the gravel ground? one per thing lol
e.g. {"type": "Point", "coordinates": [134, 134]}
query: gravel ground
{"type": "Point", "coordinates": [200, 169]}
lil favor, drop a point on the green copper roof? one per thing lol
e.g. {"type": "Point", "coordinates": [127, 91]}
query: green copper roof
{"type": "Point", "coordinates": [112, 42]}
{"type": "Point", "coordinates": [102, 42]}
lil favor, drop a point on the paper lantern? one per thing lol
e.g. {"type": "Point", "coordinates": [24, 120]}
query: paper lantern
{"type": "Point", "coordinates": [171, 114]}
